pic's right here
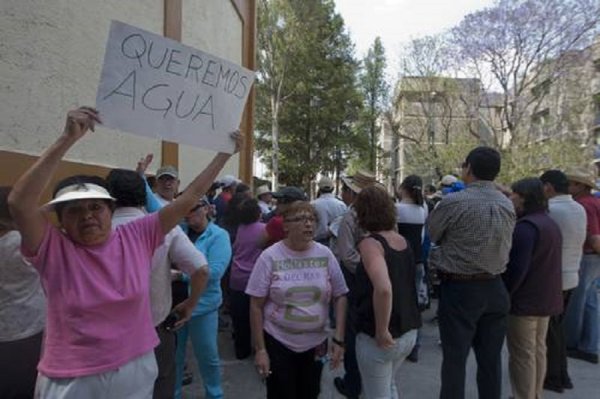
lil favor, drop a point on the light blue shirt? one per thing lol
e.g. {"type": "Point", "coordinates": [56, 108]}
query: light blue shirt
{"type": "Point", "coordinates": [214, 243]}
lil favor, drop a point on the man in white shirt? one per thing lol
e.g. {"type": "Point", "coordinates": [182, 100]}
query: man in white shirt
{"type": "Point", "coordinates": [328, 208]}
{"type": "Point", "coordinates": [128, 188]}
{"type": "Point", "coordinates": [571, 219]}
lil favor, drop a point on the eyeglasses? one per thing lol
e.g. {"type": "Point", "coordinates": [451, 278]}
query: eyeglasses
{"type": "Point", "coordinates": [303, 218]}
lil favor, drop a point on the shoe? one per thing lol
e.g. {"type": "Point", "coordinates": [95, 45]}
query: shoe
{"type": "Point", "coordinates": [338, 382]}
{"type": "Point", "coordinates": [187, 379]}
{"type": "Point", "coordinates": [550, 386]}
{"type": "Point", "coordinates": [567, 384]}
{"type": "Point", "coordinates": [581, 355]}
{"type": "Point", "coordinates": [413, 355]}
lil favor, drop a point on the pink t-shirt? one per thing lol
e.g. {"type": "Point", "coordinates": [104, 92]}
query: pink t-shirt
{"type": "Point", "coordinates": [246, 249]}
{"type": "Point", "coordinates": [98, 299]}
{"type": "Point", "coordinates": [299, 287]}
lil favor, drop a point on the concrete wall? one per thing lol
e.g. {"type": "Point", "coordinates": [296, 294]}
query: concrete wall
{"type": "Point", "coordinates": [51, 54]}
{"type": "Point", "coordinates": [215, 27]}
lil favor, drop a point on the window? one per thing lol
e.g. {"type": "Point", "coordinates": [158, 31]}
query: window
{"type": "Point", "coordinates": [542, 88]}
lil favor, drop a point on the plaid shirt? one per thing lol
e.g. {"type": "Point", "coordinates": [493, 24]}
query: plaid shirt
{"type": "Point", "coordinates": [473, 229]}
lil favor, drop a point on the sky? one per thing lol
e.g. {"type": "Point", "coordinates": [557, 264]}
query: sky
{"type": "Point", "coordinates": [399, 21]}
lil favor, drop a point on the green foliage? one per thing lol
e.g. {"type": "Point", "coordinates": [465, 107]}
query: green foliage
{"type": "Point", "coordinates": [318, 101]}
{"type": "Point", "coordinates": [532, 160]}
{"type": "Point", "coordinates": [375, 89]}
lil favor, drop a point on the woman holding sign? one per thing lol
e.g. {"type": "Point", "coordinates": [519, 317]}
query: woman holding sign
{"type": "Point", "coordinates": [291, 287]}
{"type": "Point", "coordinates": [99, 338]}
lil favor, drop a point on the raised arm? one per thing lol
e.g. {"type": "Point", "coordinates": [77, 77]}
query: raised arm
{"type": "Point", "coordinates": [171, 214]}
{"type": "Point", "coordinates": [25, 196]}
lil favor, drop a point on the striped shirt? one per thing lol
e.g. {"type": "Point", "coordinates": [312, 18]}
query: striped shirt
{"type": "Point", "coordinates": [473, 229]}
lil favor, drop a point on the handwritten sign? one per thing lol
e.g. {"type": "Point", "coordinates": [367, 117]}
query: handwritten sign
{"type": "Point", "coordinates": [156, 87]}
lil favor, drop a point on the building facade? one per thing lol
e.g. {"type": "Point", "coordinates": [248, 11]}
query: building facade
{"type": "Point", "coordinates": [52, 54]}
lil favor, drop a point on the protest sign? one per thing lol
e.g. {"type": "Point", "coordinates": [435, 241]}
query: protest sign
{"type": "Point", "coordinates": [156, 87]}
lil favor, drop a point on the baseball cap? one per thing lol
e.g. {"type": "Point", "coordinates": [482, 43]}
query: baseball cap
{"type": "Point", "coordinates": [167, 170]}
{"type": "Point", "coordinates": [448, 180]}
{"type": "Point", "coordinates": [290, 193]}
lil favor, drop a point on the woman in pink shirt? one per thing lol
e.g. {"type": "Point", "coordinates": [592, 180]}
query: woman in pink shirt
{"type": "Point", "coordinates": [291, 287]}
{"type": "Point", "coordinates": [250, 239]}
{"type": "Point", "coordinates": [99, 337]}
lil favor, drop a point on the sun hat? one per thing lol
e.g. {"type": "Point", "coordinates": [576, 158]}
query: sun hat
{"type": "Point", "coordinates": [583, 176]}
{"type": "Point", "coordinates": [325, 182]}
{"type": "Point", "coordinates": [290, 193]}
{"type": "Point", "coordinates": [80, 191]}
{"type": "Point", "coordinates": [167, 170]}
{"type": "Point", "coordinates": [359, 181]}
{"type": "Point", "coordinates": [264, 189]}
{"type": "Point", "coordinates": [229, 180]}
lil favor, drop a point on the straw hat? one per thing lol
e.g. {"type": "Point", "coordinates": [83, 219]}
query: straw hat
{"type": "Point", "coordinates": [583, 176]}
{"type": "Point", "coordinates": [79, 192]}
{"type": "Point", "coordinates": [359, 181]}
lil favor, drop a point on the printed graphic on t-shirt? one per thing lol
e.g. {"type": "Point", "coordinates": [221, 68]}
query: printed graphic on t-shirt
{"type": "Point", "coordinates": [304, 288]}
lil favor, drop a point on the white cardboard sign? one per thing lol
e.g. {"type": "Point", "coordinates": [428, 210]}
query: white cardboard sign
{"type": "Point", "coordinates": [156, 87]}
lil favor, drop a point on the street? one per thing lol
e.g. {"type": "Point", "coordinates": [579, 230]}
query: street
{"type": "Point", "coordinates": [416, 381]}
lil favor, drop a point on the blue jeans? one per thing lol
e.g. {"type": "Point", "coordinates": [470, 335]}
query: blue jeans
{"type": "Point", "coordinates": [472, 314]}
{"type": "Point", "coordinates": [581, 318]}
{"type": "Point", "coordinates": [379, 367]}
{"type": "Point", "coordinates": [203, 332]}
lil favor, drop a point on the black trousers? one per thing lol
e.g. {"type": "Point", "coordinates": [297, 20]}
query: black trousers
{"type": "Point", "coordinates": [352, 379]}
{"type": "Point", "coordinates": [239, 308]}
{"type": "Point", "coordinates": [164, 386]}
{"type": "Point", "coordinates": [18, 367]}
{"type": "Point", "coordinates": [557, 373]}
{"type": "Point", "coordinates": [472, 314]}
{"type": "Point", "coordinates": [293, 375]}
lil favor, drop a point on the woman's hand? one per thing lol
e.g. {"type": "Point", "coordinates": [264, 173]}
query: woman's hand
{"type": "Point", "coordinates": [262, 363]}
{"type": "Point", "coordinates": [337, 356]}
{"type": "Point", "coordinates": [384, 339]}
{"type": "Point", "coordinates": [79, 121]}
{"type": "Point", "coordinates": [184, 309]}
{"type": "Point", "coordinates": [143, 164]}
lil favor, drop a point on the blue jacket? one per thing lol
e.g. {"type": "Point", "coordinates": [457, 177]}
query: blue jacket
{"type": "Point", "coordinates": [215, 245]}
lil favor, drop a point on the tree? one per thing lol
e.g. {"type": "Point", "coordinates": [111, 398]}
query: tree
{"type": "Point", "coordinates": [277, 30]}
{"type": "Point", "coordinates": [315, 115]}
{"type": "Point", "coordinates": [432, 111]}
{"type": "Point", "coordinates": [375, 89]}
{"type": "Point", "coordinates": [515, 46]}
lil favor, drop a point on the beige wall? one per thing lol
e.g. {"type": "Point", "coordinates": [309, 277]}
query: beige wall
{"type": "Point", "coordinates": [51, 60]}
{"type": "Point", "coordinates": [215, 27]}
{"type": "Point", "coordinates": [51, 54]}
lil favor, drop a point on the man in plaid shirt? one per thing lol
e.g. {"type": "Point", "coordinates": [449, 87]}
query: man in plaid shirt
{"type": "Point", "coordinates": [473, 229]}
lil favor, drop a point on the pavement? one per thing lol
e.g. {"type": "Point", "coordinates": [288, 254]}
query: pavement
{"type": "Point", "coordinates": [415, 381]}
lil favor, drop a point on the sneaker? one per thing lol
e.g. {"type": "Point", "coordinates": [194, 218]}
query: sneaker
{"type": "Point", "coordinates": [581, 355]}
{"type": "Point", "coordinates": [338, 382]}
{"type": "Point", "coordinates": [567, 384]}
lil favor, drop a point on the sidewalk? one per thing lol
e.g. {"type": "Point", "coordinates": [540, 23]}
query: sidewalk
{"type": "Point", "coordinates": [416, 381]}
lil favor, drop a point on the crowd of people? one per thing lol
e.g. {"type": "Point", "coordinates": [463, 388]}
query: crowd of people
{"type": "Point", "coordinates": [101, 301]}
